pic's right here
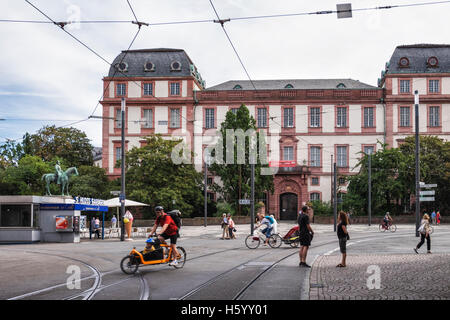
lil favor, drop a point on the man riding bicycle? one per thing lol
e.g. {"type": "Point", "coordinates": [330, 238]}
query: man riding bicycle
{"type": "Point", "coordinates": [169, 231]}
{"type": "Point", "coordinates": [387, 220]}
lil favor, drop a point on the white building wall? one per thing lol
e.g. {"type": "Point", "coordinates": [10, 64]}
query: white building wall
{"type": "Point", "coordinates": [446, 85]}
{"type": "Point", "coordinates": [161, 114]}
{"type": "Point", "coordinates": [301, 118]}
{"type": "Point", "coordinates": [134, 117]}
{"type": "Point", "coordinates": [161, 89]}
{"type": "Point", "coordinates": [134, 89]}
{"type": "Point", "coordinates": [328, 120]}
{"type": "Point", "coordinates": [354, 118]}
{"type": "Point", "coordinates": [184, 88]}
{"type": "Point", "coordinates": [419, 84]}
{"type": "Point", "coordinates": [111, 89]}
{"type": "Point", "coordinates": [394, 86]}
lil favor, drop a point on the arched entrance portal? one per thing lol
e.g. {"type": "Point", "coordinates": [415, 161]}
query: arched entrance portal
{"type": "Point", "coordinates": [288, 206]}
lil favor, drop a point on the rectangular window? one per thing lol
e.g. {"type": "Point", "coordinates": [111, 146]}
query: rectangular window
{"type": "Point", "coordinates": [314, 196]}
{"type": "Point", "coordinates": [434, 117]}
{"type": "Point", "coordinates": [121, 89]}
{"type": "Point", "coordinates": [211, 196]}
{"type": "Point", "coordinates": [13, 215]}
{"type": "Point", "coordinates": [368, 117]}
{"type": "Point", "coordinates": [288, 117]}
{"type": "Point", "coordinates": [148, 89]}
{"type": "Point", "coordinates": [234, 110]}
{"type": "Point", "coordinates": [405, 117]}
{"type": "Point", "coordinates": [433, 86]}
{"type": "Point", "coordinates": [262, 117]}
{"type": "Point", "coordinates": [315, 117]}
{"type": "Point", "coordinates": [315, 157]}
{"type": "Point", "coordinates": [209, 118]}
{"type": "Point", "coordinates": [405, 86]}
{"type": "Point", "coordinates": [288, 153]}
{"type": "Point", "coordinates": [341, 181]}
{"type": "Point", "coordinates": [174, 88]}
{"type": "Point", "coordinates": [341, 156]}
{"type": "Point", "coordinates": [175, 118]}
{"type": "Point", "coordinates": [315, 181]}
{"type": "Point", "coordinates": [118, 153]}
{"type": "Point", "coordinates": [368, 149]}
{"type": "Point", "coordinates": [148, 118]}
{"type": "Point", "coordinates": [341, 117]}
{"type": "Point", "coordinates": [118, 118]}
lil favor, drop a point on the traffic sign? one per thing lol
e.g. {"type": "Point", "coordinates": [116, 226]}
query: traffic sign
{"type": "Point", "coordinates": [422, 199]}
{"type": "Point", "coordinates": [434, 185]}
{"type": "Point", "coordinates": [427, 193]}
{"type": "Point", "coordinates": [244, 201]}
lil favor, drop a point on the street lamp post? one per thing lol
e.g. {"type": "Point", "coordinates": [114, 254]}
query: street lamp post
{"type": "Point", "coordinates": [416, 106]}
{"type": "Point", "coordinates": [122, 166]}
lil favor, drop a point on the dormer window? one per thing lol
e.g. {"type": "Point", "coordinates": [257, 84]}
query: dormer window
{"type": "Point", "coordinates": [403, 62]}
{"type": "Point", "coordinates": [432, 62]}
{"type": "Point", "coordinates": [175, 66]}
{"type": "Point", "coordinates": [289, 86]}
{"type": "Point", "coordinates": [341, 86]}
{"type": "Point", "coordinates": [122, 66]}
{"type": "Point", "coordinates": [237, 87]}
{"type": "Point", "coordinates": [149, 66]}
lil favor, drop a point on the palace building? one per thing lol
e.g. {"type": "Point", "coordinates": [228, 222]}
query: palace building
{"type": "Point", "coordinates": [311, 122]}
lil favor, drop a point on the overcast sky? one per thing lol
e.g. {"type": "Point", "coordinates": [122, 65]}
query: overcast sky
{"type": "Point", "coordinates": [48, 78]}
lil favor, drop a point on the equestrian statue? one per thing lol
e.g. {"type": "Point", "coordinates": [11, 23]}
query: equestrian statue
{"type": "Point", "coordinates": [59, 177]}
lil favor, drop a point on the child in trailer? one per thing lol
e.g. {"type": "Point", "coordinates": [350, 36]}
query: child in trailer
{"type": "Point", "coordinates": [152, 250]}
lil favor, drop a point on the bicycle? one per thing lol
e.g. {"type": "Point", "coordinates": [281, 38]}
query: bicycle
{"type": "Point", "coordinates": [253, 241]}
{"type": "Point", "coordinates": [391, 226]}
{"type": "Point", "coordinates": [135, 259]}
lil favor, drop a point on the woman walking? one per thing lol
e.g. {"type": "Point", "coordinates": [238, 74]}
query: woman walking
{"type": "Point", "coordinates": [231, 228]}
{"type": "Point", "coordinates": [343, 236]}
{"type": "Point", "coordinates": [424, 230]}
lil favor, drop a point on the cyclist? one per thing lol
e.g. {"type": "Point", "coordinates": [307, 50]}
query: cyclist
{"type": "Point", "coordinates": [267, 230]}
{"type": "Point", "coordinates": [387, 220]}
{"type": "Point", "coordinates": [169, 231]}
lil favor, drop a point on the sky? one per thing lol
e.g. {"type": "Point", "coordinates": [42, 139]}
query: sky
{"type": "Point", "coordinates": [48, 78]}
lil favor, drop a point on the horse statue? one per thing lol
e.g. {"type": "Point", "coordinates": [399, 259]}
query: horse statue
{"type": "Point", "coordinates": [63, 178]}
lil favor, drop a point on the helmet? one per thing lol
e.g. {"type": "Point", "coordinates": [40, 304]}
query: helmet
{"type": "Point", "coordinates": [150, 240]}
{"type": "Point", "coordinates": [159, 208]}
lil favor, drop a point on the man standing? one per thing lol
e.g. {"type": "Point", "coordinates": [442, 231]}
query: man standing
{"type": "Point", "coordinates": [306, 235]}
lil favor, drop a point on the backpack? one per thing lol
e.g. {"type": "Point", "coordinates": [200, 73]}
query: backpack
{"type": "Point", "coordinates": [176, 217]}
{"type": "Point", "coordinates": [270, 218]}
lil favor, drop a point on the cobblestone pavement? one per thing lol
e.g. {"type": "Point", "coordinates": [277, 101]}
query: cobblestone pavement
{"type": "Point", "coordinates": [401, 277]}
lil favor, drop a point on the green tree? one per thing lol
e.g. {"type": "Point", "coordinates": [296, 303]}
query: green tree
{"type": "Point", "coordinates": [235, 177]}
{"type": "Point", "coordinates": [389, 187]}
{"type": "Point", "coordinates": [153, 178]}
{"type": "Point", "coordinates": [434, 167]}
{"type": "Point", "coordinates": [10, 153]}
{"type": "Point", "coordinates": [70, 144]}
{"type": "Point", "coordinates": [92, 182]}
{"type": "Point", "coordinates": [25, 178]}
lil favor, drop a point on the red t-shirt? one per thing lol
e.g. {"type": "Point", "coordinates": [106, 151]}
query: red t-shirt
{"type": "Point", "coordinates": [166, 219]}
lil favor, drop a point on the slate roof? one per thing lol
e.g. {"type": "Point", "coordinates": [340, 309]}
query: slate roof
{"type": "Point", "coordinates": [162, 58]}
{"type": "Point", "coordinates": [296, 84]}
{"type": "Point", "coordinates": [418, 55]}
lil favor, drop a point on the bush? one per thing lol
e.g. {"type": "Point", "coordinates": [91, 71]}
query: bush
{"type": "Point", "coordinates": [224, 207]}
{"type": "Point", "coordinates": [322, 208]}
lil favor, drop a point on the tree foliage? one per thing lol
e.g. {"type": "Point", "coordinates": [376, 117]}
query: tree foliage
{"type": "Point", "coordinates": [70, 144]}
{"type": "Point", "coordinates": [153, 178]}
{"type": "Point", "coordinates": [235, 177]}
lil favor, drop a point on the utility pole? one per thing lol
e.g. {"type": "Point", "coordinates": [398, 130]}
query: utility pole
{"type": "Point", "coordinates": [122, 166]}
{"type": "Point", "coordinates": [416, 106]}
{"type": "Point", "coordinates": [369, 209]}
{"type": "Point", "coordinates": [206, 193]}
{"type": "Point", "coordinates": [335, 195]}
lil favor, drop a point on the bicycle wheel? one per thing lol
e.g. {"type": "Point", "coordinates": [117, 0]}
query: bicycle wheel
{"type": "Point", "coordinates": [129, 265]}
{"type": "Point", "coordinates": [393, 228]}
{"type": "Point", "coordinates": [295, 243]}
{"type": "Point", "coordinates": [252, 242]}
{"type": "Point", "coordinates": [275, 241]}
{"type": "Point", "coordinates": [181, 259]}
{"type": "Point", "coordinates": [381, 227]}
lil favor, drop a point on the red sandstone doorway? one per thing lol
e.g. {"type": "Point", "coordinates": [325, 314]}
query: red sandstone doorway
{"type": "Point", "coordinates": [288, 206]}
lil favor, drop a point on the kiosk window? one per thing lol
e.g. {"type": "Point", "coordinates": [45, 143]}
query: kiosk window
{"type": "Point", "coordinates": [15, 215]}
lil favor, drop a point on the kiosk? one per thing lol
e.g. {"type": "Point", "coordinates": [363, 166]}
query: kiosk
{"type": "Point", "coordinates": [28, 219]}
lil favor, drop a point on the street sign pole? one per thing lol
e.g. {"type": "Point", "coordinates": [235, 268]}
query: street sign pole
{"type": "Point", "coordinates": [252, 209]}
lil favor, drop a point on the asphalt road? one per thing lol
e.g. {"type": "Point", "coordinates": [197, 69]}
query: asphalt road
{"type": "Point", "coordinates": [222, 269]}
